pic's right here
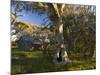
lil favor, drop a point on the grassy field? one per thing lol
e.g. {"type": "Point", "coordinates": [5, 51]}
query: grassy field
{"type": "Point", "coordinates": [36, 62]}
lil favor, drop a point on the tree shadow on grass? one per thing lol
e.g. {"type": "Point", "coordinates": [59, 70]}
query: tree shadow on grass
{"type": "Point", "coordinates": [34, 62]}
{"type": "Point", "coordinates": [24, 64]}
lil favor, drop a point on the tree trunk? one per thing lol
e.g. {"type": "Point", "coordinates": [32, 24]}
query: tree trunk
{"type": "Point", "coordinates": [61, 53]}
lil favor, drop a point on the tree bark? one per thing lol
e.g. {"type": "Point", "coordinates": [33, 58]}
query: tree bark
{"type": "Point", "coordinates": [61, 52]}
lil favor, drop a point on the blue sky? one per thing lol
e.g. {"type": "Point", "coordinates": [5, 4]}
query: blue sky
{"type": "Point", "coordinates": [32, 18]}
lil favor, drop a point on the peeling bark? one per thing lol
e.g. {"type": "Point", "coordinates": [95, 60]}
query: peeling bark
{"type": "Point", "coordinates": [61, 53]}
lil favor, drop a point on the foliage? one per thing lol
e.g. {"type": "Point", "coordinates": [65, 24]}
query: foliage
{"type": "Point", "coordinates": [79, 37]}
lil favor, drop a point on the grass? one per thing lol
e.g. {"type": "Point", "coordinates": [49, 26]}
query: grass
{"type": "Point", "coordinates": [36, 62]}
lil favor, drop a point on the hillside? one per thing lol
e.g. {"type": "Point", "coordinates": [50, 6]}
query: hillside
{"type": "Point", "coordinates": [26, 28]}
